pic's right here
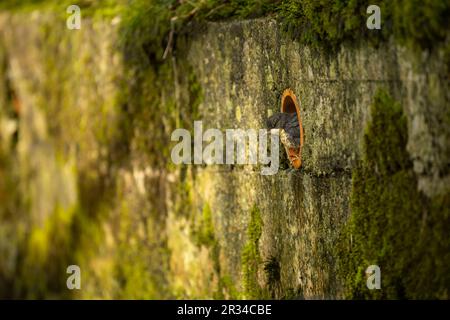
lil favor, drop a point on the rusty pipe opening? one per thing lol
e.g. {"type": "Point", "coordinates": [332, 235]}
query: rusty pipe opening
{"type": "Point", "coordinates": [290, 104]}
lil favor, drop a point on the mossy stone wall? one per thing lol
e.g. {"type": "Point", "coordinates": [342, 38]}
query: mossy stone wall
{"type": "Point", "coordinates": [95, 150]}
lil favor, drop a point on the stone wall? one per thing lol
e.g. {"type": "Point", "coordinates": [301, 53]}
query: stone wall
{"type": "Point", "coordinates": [91, 194]}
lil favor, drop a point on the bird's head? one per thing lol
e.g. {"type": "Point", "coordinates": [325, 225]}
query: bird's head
{"type": "Point", "coordinates": [273, 122]}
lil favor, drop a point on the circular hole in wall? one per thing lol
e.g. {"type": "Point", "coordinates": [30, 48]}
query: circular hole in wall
{"type": "Point", "coordinates": [290, 104]}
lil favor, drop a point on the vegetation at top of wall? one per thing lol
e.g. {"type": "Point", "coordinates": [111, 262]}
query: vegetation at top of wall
{"type": "Point", "coordinates": [332, 22]}
{"type": "Point", "coordinates": [392, 224]}
{"type": "Point", "coordinates": [104, 8]}
{"type": "Point", "coordinates": [151, 26]}
{"type": "Point", "coordinates": [324, 23]}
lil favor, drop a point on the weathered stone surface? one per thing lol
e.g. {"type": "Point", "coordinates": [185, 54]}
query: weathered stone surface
{"type": "Point", "coordinates": [68, 84]}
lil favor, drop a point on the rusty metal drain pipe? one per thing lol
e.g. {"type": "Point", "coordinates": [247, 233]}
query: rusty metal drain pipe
{"type": "Point", "coordinates": [290, 104]}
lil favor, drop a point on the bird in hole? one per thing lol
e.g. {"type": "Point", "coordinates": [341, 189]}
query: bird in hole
{"type": "Point", "coordinates": [289, 132]}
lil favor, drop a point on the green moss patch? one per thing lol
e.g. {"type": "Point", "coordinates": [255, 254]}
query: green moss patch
{"type": "Point", "coordinates": [204, 235]}
{"type": "Point", "coordinates": [392, 224]}
{"type": "Point", "coordinates": [326, 24]}
{"type": "Point", "coordinates": [251, 257]}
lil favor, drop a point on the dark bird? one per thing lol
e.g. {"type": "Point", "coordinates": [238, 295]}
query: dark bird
{"type": "Point", "coordinates": [289, 132]}
{"type": "Point", "coordinates": [288, 122]}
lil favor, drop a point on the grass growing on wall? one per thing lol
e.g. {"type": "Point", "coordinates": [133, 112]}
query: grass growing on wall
{"type": "Point", "coordinates": [332, 22]}
{"type": "Point", "coordinates": [59, 6]}
{"type": "Point", "coordinates": [325, 23]}
{"type": "Point", "coordinates": [392, 224]}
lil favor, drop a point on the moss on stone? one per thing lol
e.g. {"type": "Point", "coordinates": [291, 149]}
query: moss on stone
{"type": "Point", "coordinates": [90, 8]}
{"type": "Point", "coordinates": [204, 235]}
{"type": "Point", "coordinates": [162, 93]}
{"type": "Point", "coordinates": [46, 249]}
{"type": "Point", "coordinates": [251, 258]}
{"type": "Point", "coordinates": [392, 224]}
{"type": "Point", "coordinates": [326, 23]}
{"type": "Point", "coordinates": [330, 23]}
{"type": "Point", "coordinates": [204, 232]}
{"type": "Point", "coordinates": [227, 289]}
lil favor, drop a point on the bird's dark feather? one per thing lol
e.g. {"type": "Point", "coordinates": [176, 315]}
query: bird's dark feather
{"type": "Point", "coordinates": [288, 122]}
